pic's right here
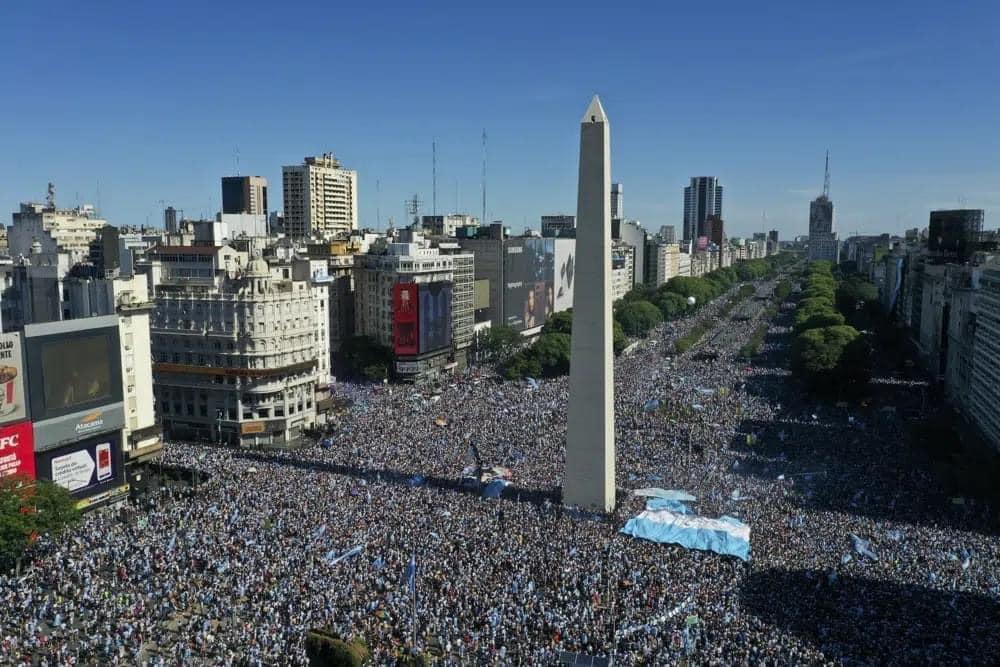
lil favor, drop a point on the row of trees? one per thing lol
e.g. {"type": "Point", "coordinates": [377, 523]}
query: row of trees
{"type": "Point", "coordinates": [829, 352]}
{"type": "Point", "coordinates": [635, 315]}
{"type": "Point", "coordinates": [28, 510]}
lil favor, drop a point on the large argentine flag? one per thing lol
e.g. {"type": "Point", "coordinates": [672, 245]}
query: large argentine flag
{"type": "Point", "coordinates": [725, 535]}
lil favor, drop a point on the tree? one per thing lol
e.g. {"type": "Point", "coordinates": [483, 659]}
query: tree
{"type": "Point", "coordinates": [854, 369]}
{"type": "Point", "coordinates": [552, 352]}
{"type": "Point", "coordinates": [639, 293]}
{"type": "Point", "coordinates": [638, 317]}
{"type": "Point", "coordinates": [29, 509]}
{"type": "Point", "coordinates": [671, 305]}
{"type": "Point", "coordinates": [501, 342]}
{"type": "Point", "coordinates": [364, 358]}
{"type": "Point", "coordinates": [561, 322]}
{"type": "Point", "coordinates": [782, 290]}
{"type": "Point", "coordinates": [619, 340]}
{"type": "Point", "coordinates": [688, 286]}
{"type": "Point", "coordinates": [816, 353]}
{"type": "Point", "coordinates": [854, 294]}
{"type": "Point", "coordinates": [818, 320]}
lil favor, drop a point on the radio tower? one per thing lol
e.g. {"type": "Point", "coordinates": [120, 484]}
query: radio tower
{"type": "Point", "coordinates": [434, 178]}
{"type": "Point", "coordinates": [826, 177]}
{"type": "Point", "coordinates": [483, 221]}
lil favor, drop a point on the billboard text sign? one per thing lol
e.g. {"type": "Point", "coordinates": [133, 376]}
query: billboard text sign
{"type": "Point", "coordinates": [17, 450]}
{"type": "Point", "coordinates": [12, 400]}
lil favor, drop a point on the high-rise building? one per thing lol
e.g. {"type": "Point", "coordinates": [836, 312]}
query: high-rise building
{"type": "Point", "coordinates": [321, 198]}
{"type": "Point", "coordinates": [170, 219]}
{"type": "Point", "coordinates": [985, 384]}
{"type": "Point", "coordinates": [235, 348]}
{"type": "Point", "coordinates": [823, 244]}
{"type": "Point", "coordinates": [558, 226]}
{"type": "Point", "coordinates": [58, 230]}
{"type": "Point", "coordinates": [954, 235]}
{"type": "Point", "coordinates": [701, 199]}
{"type": "Point", "coordinates": [244, 194]}
{"type": "Point", "coordinates": [715, 230]}
{"type": "Point", "coordinates": [434, 288]}
{"type": "Point", "coordinates": [668, 234]}
{"type": "Point", "coordinates": [632, 233]}
{"type": "Point", "coordinates": [617, 202]}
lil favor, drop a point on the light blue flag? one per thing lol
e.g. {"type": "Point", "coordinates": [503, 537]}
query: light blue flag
{"type": "Point", "coordinates": [726, 535]}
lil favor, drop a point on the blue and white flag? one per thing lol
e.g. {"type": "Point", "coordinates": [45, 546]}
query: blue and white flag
{"type": "Point", "coordinates": [411, 574]}
{"type": "Point", "coordinates": [863, 547]}
{"type": "Point", "coordinates": [726, 535]}
{"type": "Point", "coordinates": [333, 559]}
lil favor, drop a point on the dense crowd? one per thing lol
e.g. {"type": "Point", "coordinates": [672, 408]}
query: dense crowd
{"type": "Point", "coordinates": [238, 570]}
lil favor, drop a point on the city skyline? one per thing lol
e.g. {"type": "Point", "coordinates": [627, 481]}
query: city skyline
{"type": "Point", "coordinates": [162, 126]}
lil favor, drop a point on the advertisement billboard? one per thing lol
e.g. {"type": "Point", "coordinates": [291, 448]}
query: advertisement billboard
{"type": "Point", "coordinates": [405, 319]}
{"type": "Point", "coordinates": [84, 468]}
{"type": "Point", "coordinates": [68, 428]}
{"type": "Point", "coordinates": [529, 295]}
{"type": "Point", "coordinates": [435, 316]}
{"type": "Point", "coordinates": [17, 450]}
{"type": "Point", "coordinates": [73, 366]}
{"type": "Point", "coordinates": [13, 407]}
{"type": "Point", "coordinates": [564, 272]}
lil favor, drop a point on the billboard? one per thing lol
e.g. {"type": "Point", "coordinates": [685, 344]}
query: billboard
{"type": "Point", "coordinates": [405, 319]}
{"type": "Point", "coordinates": [564, 273]}
{"type": "Point", "coordinates": [53, 432]}
{"type": "Point", "coordinates": [84, 468]}
{"type": "Point", "coordinates": [13, 406]}
{"type": "Point", "coordinates": [17, 450]}
{"type": "Point", "coordinates": [528, 295]}
{"type": "Point", "coordinates": [435, 316]}
{"type": "Point", "coordinates": [73, 366]}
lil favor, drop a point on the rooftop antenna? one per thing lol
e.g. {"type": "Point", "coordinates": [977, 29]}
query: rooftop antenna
{"type": "Point", "coordinates": [434, 178]}
{"type": "Point", "coordinates": [484, 176]}
{"type": "Point", "coordinates": [236, 159]}
{"type": "Point", "coordinates": [826, 177]}
{"type": "Point", "coordinates": [378, 211]}
{"type": "Point", "coordinates": [50, 195]}
{"type": "Point", "coordinates": [98, 197]}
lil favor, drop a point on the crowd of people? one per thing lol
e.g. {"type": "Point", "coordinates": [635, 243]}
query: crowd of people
{"type": "Point", "coordinates": [858, 555]}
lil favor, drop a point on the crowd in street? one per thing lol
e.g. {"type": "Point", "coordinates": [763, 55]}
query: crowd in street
{"type": "Point", "coordinates": [858, 554]}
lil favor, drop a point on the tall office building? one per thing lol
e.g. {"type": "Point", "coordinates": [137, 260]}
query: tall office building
{"type": "Point", "coordinates": [170, 219]}
{"type": "Point", "coordinates": [244, 194]}
{"type": "Point", "coordinates": [617, 202]}
{"type": "Point", "coordinates": [555, 226]}
{"type": "Point", "coordinates": [321, 198]}
{"type": "Point", "coordinates": [668, 234]}
{"type": "Point", "coordinates": [822, 239]}
{"type": "Point", "coordinates": [954, 235]}
{"type": "Point", "coordinates": [701, 199]}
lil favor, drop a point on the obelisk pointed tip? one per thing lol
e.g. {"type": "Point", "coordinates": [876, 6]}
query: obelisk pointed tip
{"type": "Point", "coordinates": [595, 112]}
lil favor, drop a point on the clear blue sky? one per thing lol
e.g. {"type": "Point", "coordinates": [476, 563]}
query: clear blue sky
{"type": "Point", "coordinates": [149, 101]}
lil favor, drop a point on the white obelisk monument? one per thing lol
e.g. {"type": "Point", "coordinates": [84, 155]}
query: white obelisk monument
{"type": "Point", "coordinates": [589, 481]}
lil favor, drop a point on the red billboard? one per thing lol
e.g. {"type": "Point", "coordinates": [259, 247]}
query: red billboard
{"type": "Point", "coordinates": [17, 450]}
{"type": "Point", "coordinates": [405, 319]}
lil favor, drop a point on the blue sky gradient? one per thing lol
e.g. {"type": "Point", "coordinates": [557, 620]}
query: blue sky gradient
{"type": "Point", "coordinates": [149, 102]}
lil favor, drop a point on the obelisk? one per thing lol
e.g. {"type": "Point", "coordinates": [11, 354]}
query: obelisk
{"type": "Point", "coordinates": [589, 480]}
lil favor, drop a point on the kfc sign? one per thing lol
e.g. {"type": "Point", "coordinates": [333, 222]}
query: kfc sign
{"type": "Point", "coordinates": [17, 450]}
